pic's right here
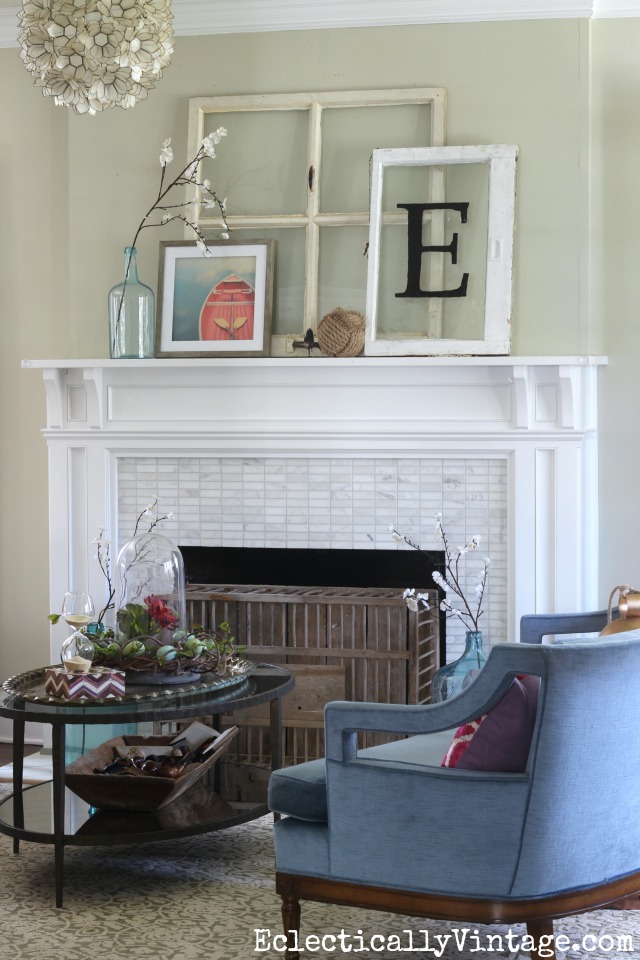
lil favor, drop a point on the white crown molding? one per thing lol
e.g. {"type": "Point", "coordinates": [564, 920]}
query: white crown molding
{"type": "Point", "coordinates": [615, 8]}
{"type": "Point", "coordinates": [230, 16]}
{"type": "Point", "coordinates": [202, 17]}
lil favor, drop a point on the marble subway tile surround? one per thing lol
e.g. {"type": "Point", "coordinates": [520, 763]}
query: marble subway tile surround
{"type": "Point", "coordinates": [330, 503]}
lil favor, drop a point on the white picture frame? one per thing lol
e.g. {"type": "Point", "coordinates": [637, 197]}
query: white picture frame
{"type": "Point", "coordinates": [191, 299]}
{"type": "Point", "coordinates": [501, 159]}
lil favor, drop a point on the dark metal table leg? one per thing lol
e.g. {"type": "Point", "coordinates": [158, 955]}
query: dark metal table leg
{"type": "Point", "coordinates": [275, 737]}
{"type": "Point", "coordinates": [275, 733]}
{"type": "Point", "coordinates": [215, 776]}
{"type": "Point", "coordinates": [58, 742]}
{"type": "Point", "coordinates": [18, 768]}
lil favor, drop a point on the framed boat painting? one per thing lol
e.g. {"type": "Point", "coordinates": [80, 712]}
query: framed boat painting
{"type": "Point", "coordinates": [215, 304]}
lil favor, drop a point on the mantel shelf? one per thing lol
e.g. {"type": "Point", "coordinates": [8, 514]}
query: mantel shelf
{"type": "Point", "coordinates": [283, 362]}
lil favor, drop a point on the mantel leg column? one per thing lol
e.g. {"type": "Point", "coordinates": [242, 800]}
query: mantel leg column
{"type": "Point", "coordinates": [58, 743]}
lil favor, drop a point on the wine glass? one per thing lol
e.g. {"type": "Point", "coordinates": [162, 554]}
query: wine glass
{"type": "Point", "coordinates": [78, 611]}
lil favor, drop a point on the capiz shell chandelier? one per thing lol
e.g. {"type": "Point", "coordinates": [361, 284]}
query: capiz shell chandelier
{"type": "Point", "coordinates": [94, 54]}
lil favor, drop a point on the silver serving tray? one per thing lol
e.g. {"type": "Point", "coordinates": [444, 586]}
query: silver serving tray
{"type": "Point", "coordinates": [30, 686]}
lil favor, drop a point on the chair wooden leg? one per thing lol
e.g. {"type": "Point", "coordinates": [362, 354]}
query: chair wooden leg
{"type": "Point", "coordinates": [291, 922]}
{"type": "Point", "coordinates": [538, 929]}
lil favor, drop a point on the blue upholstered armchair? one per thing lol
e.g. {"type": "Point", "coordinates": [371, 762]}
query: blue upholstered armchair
{"type": "Point", "coordinates": [390, 828]}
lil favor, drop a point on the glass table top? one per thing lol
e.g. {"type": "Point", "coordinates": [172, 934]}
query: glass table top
{"type": "Point", "coordinates": [24, 697]}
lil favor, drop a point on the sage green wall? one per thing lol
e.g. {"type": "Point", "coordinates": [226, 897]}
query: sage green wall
{"type": "Point", "coordinates": [77, 187]}
{"type": "Point", "coordinates": [615, 292]}
{"type": "Point", "coordinates": [34, 312]}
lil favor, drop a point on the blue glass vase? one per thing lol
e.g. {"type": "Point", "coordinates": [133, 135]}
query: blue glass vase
{"type": "Point", "coordinates": [452, 679]}
{"type": "Point", "coordinates": [132, 314]}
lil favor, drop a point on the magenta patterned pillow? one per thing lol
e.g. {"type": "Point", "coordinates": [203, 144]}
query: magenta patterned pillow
{"type": "Point", "coordinates": [499, 741]}
{"type": "Point", "coordinates": [461, 740]}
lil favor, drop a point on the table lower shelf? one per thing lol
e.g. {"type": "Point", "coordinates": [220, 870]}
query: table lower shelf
{"type": "Point", "coordinates": [200, 810]}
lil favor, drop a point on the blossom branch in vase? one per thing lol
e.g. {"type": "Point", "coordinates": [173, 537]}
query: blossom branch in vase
{"type": "Point", "coordinates": [169, 211]}
{"type": "Point", "coordinates": [454, 602]}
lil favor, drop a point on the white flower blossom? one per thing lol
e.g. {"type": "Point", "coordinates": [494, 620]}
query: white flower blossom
{"type": "Point", "coordinates": [202, 247]}
{"type": "Point", "coordinates": [440, 580]}
{"type": "Point", "coordinates": [453, 583]}
{"type": "Point", "coordinates": [166, 154]}
{"type": "Point", "coordinates": [206, 184]}
{"type": "Point", "coordinates": [224, 236]}
{"type": "Point", "coordinates": [166, 218]}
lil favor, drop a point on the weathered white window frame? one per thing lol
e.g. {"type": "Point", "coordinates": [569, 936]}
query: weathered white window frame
{"type": "Point", "coordinates": [497, 306]}
{"type": "Point", "coordinates": [312, 219]}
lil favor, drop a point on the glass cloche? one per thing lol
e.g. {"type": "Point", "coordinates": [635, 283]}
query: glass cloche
{"type": "Point", "coordinates": [150, 594]}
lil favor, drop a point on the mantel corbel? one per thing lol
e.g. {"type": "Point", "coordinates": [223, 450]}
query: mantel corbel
{"type": "Point", "coordinates": [53, 377]}
{"type": "Point", "coordinates": [569, 380]}
{"type": "Point", "coordinates": [94, 385]}
{"type": "Point", "coordinates": [522, 397]}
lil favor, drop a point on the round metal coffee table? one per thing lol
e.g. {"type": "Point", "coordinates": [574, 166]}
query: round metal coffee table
{"type": "Point", "coordinates": [48, 813]}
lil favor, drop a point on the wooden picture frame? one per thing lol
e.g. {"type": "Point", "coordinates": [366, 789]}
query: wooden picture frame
{"type": "Point", "coordinates": [492, 303]}
{"type": "Point", "coordinates": [216, 305]}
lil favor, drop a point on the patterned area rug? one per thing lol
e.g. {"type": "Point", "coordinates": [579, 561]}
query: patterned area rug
{"type": "Point", "coordinates": [204, 898]}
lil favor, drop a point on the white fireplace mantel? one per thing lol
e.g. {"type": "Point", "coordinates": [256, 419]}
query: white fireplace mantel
{"type": "Point", "coordinates": [322, 396]}
{"type": "Point", "coordinates": [537, 414]}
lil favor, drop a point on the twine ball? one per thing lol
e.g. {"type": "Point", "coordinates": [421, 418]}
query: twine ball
{"type": "Point", "coordinates": [341, 333]}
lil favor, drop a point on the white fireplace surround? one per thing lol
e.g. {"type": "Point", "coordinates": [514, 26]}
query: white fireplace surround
{"type": "Point", "coordinates": [527, 424]}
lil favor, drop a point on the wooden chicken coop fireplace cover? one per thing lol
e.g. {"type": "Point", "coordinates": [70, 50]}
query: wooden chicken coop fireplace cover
{"type": "Point", "coordinates": [342, 643]}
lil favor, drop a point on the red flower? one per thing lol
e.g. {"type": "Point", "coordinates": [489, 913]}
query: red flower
{"type": "Point", "coordinates": [161, 612]}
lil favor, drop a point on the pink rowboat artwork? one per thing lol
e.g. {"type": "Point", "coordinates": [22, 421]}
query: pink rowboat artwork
{"type": "Point", "coordinates": [227, 312]}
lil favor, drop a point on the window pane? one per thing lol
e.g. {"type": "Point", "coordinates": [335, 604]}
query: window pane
{"type": "Point", "coordinates": [343, 269]}
{"type": "Point", "coordinates": [261, 165]}
{"type": "Point", "coordinates": [288, 280]}
{"type": "Point", "coordinates": [350, 134]}
{"type": "Point", "coordinates": [459, 316]}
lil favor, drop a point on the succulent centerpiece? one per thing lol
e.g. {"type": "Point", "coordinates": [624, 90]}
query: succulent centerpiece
{"type": "Point", "coordinates": [150, 637]}
{"type": "Point", "coordinates": [142, 646]}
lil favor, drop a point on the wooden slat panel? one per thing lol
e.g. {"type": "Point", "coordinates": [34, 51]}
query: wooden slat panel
{"type": "Point", "coordinates": [342, 643]}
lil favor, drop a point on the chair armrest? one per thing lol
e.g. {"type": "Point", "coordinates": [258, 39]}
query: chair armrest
{"type": "Point", "coordinates": [343, 719]}
{"type": "Point", "coordinates": [535, 626]}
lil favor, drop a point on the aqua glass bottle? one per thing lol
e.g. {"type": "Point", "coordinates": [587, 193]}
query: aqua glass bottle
{"type": "Point", "coordinates": [132, 315]}
{"type": "Point", "coordinates": [453, 678]}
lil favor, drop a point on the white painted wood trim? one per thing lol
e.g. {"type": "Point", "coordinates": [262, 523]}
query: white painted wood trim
{"type": "Point", "coordinates": [293, 362]}
{"type": "Point", "coordinates": [497, 312]}
{"type": "Point", "coordinates": [202, 18]}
